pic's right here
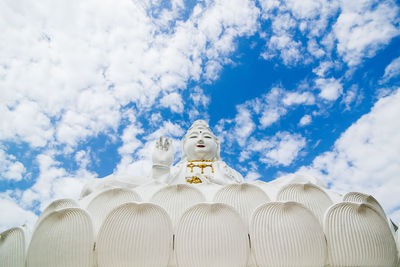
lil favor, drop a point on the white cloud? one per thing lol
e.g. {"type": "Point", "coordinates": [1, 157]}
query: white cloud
{"type": "Point", "coordinates": [130, 141]}
{"type": "Point", "coordinates": [365, 158]}
{"type": "Point", "coordinates": [323, 68]}
{"type": "Point", "coordinates": [330, 88]}
{"type": "Point", "coordinates": [296, 98]}
{"type": "Point", "coordinates": [392, 70]}
{"type": "Point", "coordinates": [82, 158]}
{"type": "Point", "coordinates": [13, 214]}
{"type": "Point", "coordinates": [252, 176]}
{"type": "Point", "coordinates": [285, 150]}
{"type": "Point", "coordinates": [244, 125]}
{"type": "Point", "coordinates": [25, 121]}
{"type": "Point", "coordinates": [363, 27]}
{"type": "Point", "coordinates": [10, 167]}
{"type": "Point", "coordinates": [199, 108]}
{"type": "Point", "coordinates": [305, 120]}
{"type": "Point", "coordinates": [172, 101]}
{"type": "Point", "coordinates": [73, 72]}
{"type": "Point", "coordinates": [272, 109]}
{"type": "Point", "coordinates": [199, 98]}
{"type": "Point", "coordinates": [352, 95]}
{"type": "Point", "coordinates": [270, 116]}
{"type": "Point", "coordinates": [281, 149]}
{"type": "Point", "coordinates": [54, 182]}
{"type": "Point", "coordinates": [68, 72]}
{"type": "Point", "coordinates": [360, 28]}
{"type": "Point", "coordinates": [291, 18]}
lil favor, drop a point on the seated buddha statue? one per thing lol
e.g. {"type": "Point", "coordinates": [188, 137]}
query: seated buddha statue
{"type": "Point", "coordinates": [200, 163]}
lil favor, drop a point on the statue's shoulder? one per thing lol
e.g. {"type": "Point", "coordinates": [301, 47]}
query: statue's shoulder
{"type": "Point", "coordinates": [229, 172]}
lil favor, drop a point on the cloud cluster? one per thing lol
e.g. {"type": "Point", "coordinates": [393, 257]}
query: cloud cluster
{"type": "Point", "coordinates": [78, 67]}
{"type": "Point", "coordinates": [365, 157]}
{"type": "Point", "coordinates": [392, 70]}
{"type": "Point", "coordinates": [72, 71]}
{"type": "Point", "coordinates": [10, 167]}
{"type": "Point", "coordinates": [302, 30]}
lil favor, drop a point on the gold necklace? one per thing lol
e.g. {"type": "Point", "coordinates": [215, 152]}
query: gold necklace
{"type": "Point", "coordinates": [201, 165]}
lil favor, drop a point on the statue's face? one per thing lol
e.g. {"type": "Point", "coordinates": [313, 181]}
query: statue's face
{"type": "Point", "coordinates": [200, 144]}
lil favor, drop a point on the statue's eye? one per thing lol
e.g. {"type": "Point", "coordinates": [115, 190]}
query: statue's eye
{"type": "Point", "coordinates": [193, 136]}
{"type": "Point", "coordinates": [207, 136]}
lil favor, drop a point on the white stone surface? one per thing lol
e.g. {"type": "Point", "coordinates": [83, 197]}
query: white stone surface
{"type": "Point", "coordinates": [358, 197]}
{"type": "Point", "coordinates": [308, 194]}
{"type": "Point", "coordinates": [13, 244]}
{"type": "Point", "coordinates": [64, 238]}
{"type": "Point", "coordinates": [287, 234]}
{"type": "Point", "coordinates": [245, 198]}
{"type": "Point", "coordinates": [212, 235]}
{"type": "Point", "coordinates": [147, 190]}
{"type": "Point", "coordinates": [135, 235]}
{"type": "Point", "coordinates": [105, 201]}
{"type": "Point", "coordinates": [176, 199]}
{"type": "Point", "coordinates": [57, 205]}
{"type": "Point", "coordinates": [357, 235]}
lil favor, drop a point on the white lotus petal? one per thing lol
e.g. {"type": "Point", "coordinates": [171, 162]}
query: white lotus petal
{"type": "Point", "coordinates": [245, 198]}
{"type": "Point", "coordinates": [57, 205]}
{"type": "Point", "coordinates": [398, 241]}
{"type": "Point", "coordinates": [135, 235]}
{"type": "Point", "coordinates": [208, 189]}
{"type": "Point", "coordinates": [364, 198]}
{"type": "Point", "coordinates": [270, 189]}
{"type": "Point", "coordinates": [146, 191]}
{"type": "Point", "coordinates": [287, 234]}
{"type": "Point", "coordinates": [357, 235]}
{"type": "Point", "coordinates": [211, 234]}
{"type": "Point", "coordinates": [13, 247]}
{"type": "Point", "coordinates": [106, 201]}
{"type": "Point", "coordinates": [334, 196]}
{"type": "Point", "coordinates": [176, 199]}
{"type": "Point", "coordinates": [64, 238]}
{"type": "Point", "coordinates": [310, 195]}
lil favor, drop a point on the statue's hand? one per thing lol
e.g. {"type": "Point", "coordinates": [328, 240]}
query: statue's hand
{"type": "Point", "coordinates": [163, 154]}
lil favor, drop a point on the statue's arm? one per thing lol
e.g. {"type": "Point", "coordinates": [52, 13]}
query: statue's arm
{"type": "Point", "coordinates": [163, 157]}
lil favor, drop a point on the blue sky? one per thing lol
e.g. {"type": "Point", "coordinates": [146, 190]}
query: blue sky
{"type": "Point", "coordinates": [288, 86]}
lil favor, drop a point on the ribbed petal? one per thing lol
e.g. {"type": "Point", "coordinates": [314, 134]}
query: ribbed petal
{"type": "Point", "coordinates": [176, 199]}
{"type": "Point", "coordinates": [146, 191]}
{"type": "Point", "coordinates": [287, 234]}
{"type": "Point", "coordinates": [209, 190]}
{"type": "Point", "coordinates": [364, 198]}
{"type": "Point", "coordinates": [245, 198]}
{"type": "Point", "coordinates": [64, 238]}
{"type": "Point", "coordinates": [270, 189]}
{"type": "Point", "coordinates": [135, 235]}
{"type": "Point", "coordinates": [357, 235]}
{"type": "Point", "coordinates": [212, 235]}
{"type": "Point", "coordinates": [310, 195]}
{"type": "Point", "coordinates": [106, 201]}
{"type": "Point", "coordinates": [12, 247]}
{"type": "Point", "coordinates": [57, 205]}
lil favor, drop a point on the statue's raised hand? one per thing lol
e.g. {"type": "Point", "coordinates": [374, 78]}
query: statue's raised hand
{"type": "Point", "coordinates": [163, 154]}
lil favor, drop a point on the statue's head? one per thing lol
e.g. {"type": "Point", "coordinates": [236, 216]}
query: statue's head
{"type": "Point", "coordinates": [199, 143]}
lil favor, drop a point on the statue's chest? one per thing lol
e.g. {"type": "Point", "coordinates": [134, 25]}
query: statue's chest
{"type": "Point", "coordinates": [199, 171]}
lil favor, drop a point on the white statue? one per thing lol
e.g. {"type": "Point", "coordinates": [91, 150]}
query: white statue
{"type": "Point", "coordinates": [200, 163]}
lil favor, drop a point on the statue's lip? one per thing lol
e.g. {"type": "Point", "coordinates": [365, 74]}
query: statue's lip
{"type": "Point", "coordinates": [201, 146]}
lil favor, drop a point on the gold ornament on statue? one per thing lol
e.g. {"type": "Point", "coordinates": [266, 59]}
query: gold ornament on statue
{"type": "Point", "coordinates": [201, 165]}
